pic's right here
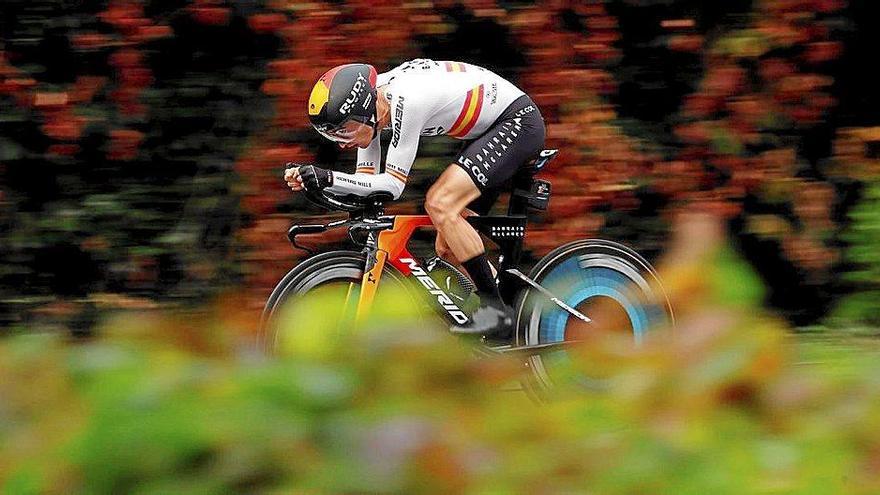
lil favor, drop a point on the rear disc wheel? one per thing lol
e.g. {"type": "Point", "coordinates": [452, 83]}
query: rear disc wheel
{"type": "Point", "coordinates": [606, 281]}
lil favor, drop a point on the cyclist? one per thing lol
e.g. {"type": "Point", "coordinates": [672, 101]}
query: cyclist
{"type": "Point", "coordinates": [500, 125]}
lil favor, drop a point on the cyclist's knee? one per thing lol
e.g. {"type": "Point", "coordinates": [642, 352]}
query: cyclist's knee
{"type": "Point", "coordinates": [449, 196]}
{"type": "Point", "coordinates": [440, 207]}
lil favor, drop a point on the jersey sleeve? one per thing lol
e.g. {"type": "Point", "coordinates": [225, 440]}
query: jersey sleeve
{"type": "Point", "coordinates": [407, 120]}
{"type": "Point", "coordinates": [365, 180]}
{"type": "Point", "coordinates": [364, 184]}
{"type": "Point", "coordinates": [368, 158]}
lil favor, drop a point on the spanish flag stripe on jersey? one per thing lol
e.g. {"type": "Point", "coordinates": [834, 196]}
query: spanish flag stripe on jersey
{"type": "Point", "coordinates": [470, 113]}
{"type": "Point", "coordinates": [397, 175]}
{"type": "Point", "coordinates": [455, 67]}
{"type": "Point", "coordinates": [476, 115]}
{"type": "Point", "coordinates": [464, 111]}
{"type": "Point", "coordinates": [364, 170]}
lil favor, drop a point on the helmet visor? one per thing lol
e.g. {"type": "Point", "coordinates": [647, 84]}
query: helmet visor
{"type": "Point", "coordinates": [343, 134]}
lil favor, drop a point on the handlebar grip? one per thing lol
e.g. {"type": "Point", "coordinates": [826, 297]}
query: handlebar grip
{"type": "Point", "coordinates": [306, 229]}
{"type": "Point", "coordinates": [303, 229]}
{"type": "Point", "coordinates": [356, 203]}
{"type": "Point", "coordinates": [328, 201]}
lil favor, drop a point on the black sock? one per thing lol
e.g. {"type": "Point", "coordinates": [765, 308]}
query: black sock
{"type": "Point", "coordinates": [481, 273]}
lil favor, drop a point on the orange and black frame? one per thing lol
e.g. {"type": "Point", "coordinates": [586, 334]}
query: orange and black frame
{"type": "Point", "coordinates": [508, 232]}
{"type": "Point", "coordinates": [390, 246]}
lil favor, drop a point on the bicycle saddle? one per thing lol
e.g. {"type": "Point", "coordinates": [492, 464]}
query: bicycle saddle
{"type": "Point", "coordinates": [544, 157]}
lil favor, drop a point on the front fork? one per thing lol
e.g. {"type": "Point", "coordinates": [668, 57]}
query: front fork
{"type": "Point", "coordinates": [372, 274]}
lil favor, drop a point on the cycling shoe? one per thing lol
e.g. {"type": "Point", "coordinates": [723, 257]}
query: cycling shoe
{"type": "Point", "coordinates": [491, 318]}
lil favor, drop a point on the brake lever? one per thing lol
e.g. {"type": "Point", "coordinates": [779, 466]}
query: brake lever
{"type": "Point", "coordinates": [310, 251]}
{"type": "Point", "coordinates": [296, 230]}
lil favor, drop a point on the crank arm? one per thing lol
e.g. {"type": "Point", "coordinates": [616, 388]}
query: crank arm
{"type": "Point", "coordinates": [535, 285]}
{"type": "Point", "coordinates": [509, 350]}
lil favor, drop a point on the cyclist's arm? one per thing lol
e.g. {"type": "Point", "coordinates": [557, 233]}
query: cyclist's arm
{"type": "Point", "coordinates": [368, 158]}
{"type": "Point", "coordinates": [364, 184]}
{"type": "Point", "coordinates": [408, 116]}
{"type": "Point", "coordinates": [405, 132]}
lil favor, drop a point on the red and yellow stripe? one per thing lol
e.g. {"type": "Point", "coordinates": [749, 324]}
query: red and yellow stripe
{"type": "Point", "coordinates": [470, 113]}
{"type": "Point", "coordinates": [397, 175]}
{"type": "Point", "coordinates": [365, 170]}
{"type": "Point", "coordinates": [455, 67]}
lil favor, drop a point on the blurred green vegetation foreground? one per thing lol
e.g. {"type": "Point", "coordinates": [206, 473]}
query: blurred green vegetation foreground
{"type": "Point", "coordinates": [731, 404]}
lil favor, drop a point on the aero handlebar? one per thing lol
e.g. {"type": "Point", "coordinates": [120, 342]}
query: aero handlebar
{"type": "Point", "coordinates": [350, 203]}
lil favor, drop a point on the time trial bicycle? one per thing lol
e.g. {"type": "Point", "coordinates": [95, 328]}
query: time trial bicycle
{"type": "Point", "coordinates": [566, 293]}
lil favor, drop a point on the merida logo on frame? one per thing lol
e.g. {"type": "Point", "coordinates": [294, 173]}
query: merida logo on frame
{"type": "Point", "coordinates": [445, 301]}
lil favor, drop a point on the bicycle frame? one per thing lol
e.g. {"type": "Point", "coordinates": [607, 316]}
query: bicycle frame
{"type": "Point", "coordinates": [390, 246]}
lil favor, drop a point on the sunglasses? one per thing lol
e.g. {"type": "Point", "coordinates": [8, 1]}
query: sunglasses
{"type": "Point", "coordinates": [343, 133]}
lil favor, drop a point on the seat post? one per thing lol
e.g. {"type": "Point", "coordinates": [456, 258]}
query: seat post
{"type": "Point", "coordinates": [525, 178]}
{"type": "Point", "coordinates": [518, 205]}
{"type": "Point", "coordinates": [521, 198]}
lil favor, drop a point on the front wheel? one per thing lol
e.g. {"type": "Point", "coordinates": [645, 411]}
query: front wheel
{"type": "Point", "coordinates": [334, 280]}
{"type": "Point", "coordinates": [606, 281]}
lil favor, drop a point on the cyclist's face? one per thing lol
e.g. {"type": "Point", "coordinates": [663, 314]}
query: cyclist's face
{"type": "Point", "coordinates": [354, 133]}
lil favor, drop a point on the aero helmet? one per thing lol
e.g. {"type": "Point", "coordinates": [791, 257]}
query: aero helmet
{"type": "Point", "coordinates": [343, 93]}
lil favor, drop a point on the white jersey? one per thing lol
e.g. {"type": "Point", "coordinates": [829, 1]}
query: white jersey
{"type": "Point", "coordinates": [427, 98]}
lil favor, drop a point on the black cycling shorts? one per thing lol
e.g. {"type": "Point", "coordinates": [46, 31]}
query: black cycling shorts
{"type": "Point", "coordinates": [491, 159]}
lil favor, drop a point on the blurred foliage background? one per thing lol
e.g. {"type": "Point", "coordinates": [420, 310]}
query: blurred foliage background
{"type": "Point", "coordinates": [141, 141]}
{"type": "Point", "coordinates": [141, 207]}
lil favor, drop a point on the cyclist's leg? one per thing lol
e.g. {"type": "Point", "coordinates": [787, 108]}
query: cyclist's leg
{"type": "Point", "coordinates": [445, 201]}
{"type": "Point", "coordinates": [445, 204]}
{"type": "Point", "coordinates": [441, 248]}
{"type": "Point", "coordinates": [481, 168]}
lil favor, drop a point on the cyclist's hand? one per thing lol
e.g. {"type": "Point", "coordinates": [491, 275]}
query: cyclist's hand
{"type": "Point", "coordinates": [292, 177]}
{"type": "Point", "coordinates": [315, 178]}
